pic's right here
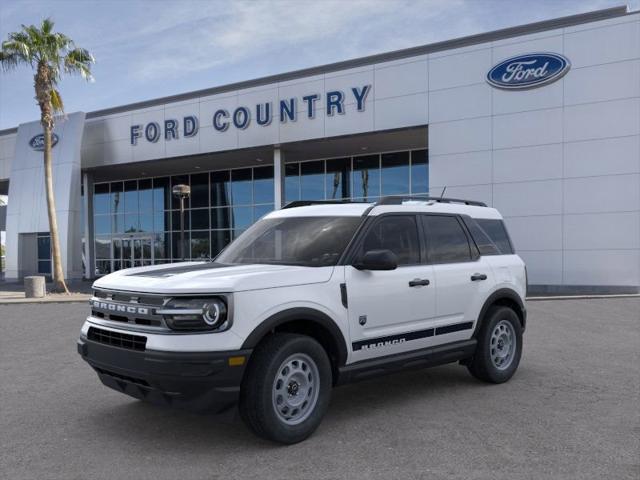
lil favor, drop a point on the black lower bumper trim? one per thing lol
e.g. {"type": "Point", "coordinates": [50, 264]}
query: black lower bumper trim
{"type": "Point", "coordinates": [198, 381]}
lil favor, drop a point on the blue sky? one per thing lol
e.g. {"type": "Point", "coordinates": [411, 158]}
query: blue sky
{"type": "Point", "coordinates": [149, 49]}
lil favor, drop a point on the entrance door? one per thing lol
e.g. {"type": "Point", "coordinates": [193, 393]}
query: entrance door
{"type": "Point", "coordinates": [132, 251]}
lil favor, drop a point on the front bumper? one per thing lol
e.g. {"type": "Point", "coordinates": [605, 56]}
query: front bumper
{"type": "Point", "coordinates": [198, 381]}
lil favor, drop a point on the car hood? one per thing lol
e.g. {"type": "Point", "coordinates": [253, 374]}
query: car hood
{"type": "Point", "coordinates": [211, 277]}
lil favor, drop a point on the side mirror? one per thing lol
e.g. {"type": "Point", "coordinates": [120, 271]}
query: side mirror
{"type": "Point", "coordinates": [377, 260]}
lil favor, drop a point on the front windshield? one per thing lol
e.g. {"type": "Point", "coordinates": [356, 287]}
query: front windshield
{"type": "Point", "coordinates": [306, 241]}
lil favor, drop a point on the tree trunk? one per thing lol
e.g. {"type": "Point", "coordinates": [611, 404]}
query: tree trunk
{"type": "Point", "coordinates": [59, 284]}
{"type": "Point", "coordinates": [43, 86]}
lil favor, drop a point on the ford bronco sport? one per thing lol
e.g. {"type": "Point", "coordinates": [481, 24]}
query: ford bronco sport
{"type": "Point", "coordinates": [312, 296]}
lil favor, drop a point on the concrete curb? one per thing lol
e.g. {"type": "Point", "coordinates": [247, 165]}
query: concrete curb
{"type": "Point", "coordinates": [582, 297]}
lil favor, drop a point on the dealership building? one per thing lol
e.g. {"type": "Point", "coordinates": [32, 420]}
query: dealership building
{"type": "Point", "coordinates": [541, 121]}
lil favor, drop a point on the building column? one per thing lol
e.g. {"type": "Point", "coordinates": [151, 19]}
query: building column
{"type": "Point", "coordinates": [87, 222]}
{"type": "Point", "coordinates": [278, 178]}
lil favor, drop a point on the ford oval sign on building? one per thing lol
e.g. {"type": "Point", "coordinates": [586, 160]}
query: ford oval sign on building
{"type": "Point", "coordinates": [37, 142]}
{"type": "Point", "coordinates": [528, 71]}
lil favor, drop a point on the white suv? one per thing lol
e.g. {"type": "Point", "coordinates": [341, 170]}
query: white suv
{"type": "Point", "coordinates": [312, 296]}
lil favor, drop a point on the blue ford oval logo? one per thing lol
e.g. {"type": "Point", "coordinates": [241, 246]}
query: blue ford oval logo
{"type": "Point", "coordinates": [37, 142]}
{"type": "Point", "coordinates": [528, 71]}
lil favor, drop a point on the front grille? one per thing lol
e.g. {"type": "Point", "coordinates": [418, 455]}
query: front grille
{"type": "Point", "coordinates": [117, 339]}
{"type": "Point", "coordinates": [125, 307]}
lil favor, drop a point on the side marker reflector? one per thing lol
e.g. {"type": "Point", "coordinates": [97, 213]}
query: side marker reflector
{"type": "Point", "coordinates": [236, 361]}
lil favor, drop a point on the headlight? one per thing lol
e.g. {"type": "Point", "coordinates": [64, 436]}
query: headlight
{"type": "Point", "coordinates": [195, 314]}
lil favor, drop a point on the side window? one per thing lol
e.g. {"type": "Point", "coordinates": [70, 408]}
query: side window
{"type": "Point", "coordinates": [483, 242]}
{"type": "Point", "coordinates": [446, 240]}
{"type": "Point", "coordinates": [497, 233]}
{"type": "Point", "coordinates": [398, 234]}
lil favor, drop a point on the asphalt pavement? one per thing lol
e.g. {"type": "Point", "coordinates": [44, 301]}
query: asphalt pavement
{"type": "Point", "coordinates": [572, 411]}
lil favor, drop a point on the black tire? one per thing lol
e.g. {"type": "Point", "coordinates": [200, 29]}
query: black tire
{"type": "Point", "coordinates": [256, 405]}
{"type": "Point", "coordinates": [482, 366]}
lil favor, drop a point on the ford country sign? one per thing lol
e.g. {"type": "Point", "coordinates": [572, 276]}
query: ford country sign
{"type": "Point", "coordinates": [37, 142]}
{"type": "Point", "coordinates": [528, 71]}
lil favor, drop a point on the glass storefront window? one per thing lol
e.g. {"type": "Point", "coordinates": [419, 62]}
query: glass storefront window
{"type": "Point", "coordinates": [200, 219]}
{"type": "Point", "coordinates": [225, 203]}
{"type": "Point", "coordinates": [263, 185]}
{"type": "Point", "coordinates": [146, 222]}
{"type": "Point", "coordinates": [292, 182]}
{"type": "Point", "coordinates": [161, 194]}
{"type": "Point", "coordinates": [220, 189]}
{"type": "Point", "coordinates": [200, 245]}
{"type": "Point", "coordinates": [220, 218]}
{"type": "Point", "coordinates": [101, 199]}
{"type": "Point", "coordinates": [420, 171]}
{"type": "Point", "coordinates": [312, 180]}
{"type": "Point", "coordinates": [131, 223]}
{"type": "Point", "coordinates": [242, 217]}
{"type": "Point", "coordinates": [117, 193]}
{"type": "Point", "coordinates": [219, 240]}
{"type": "Point", "coordinates": [145, 195]}
{"type": "Point", "coordinates": [103, 247]}
{"type": "Point", "coordinates": [175, 220]}
{"type": "Point", "coordinates": [241, 193]}
{"type": "Point", "coordinates": [395, 173]}
{"type": "Point", "coordinates": [337, 178]}
{"type": "Point", "coordinates": [200, 190]}
{"type": "Point", "coordinates": [261, 210]}
{"type": "Point", "coordinates": [366, 177]}
{"type": "Point", "coordinates": [131, 203]}
{"type": "Point", "coordinates": [102, 224]}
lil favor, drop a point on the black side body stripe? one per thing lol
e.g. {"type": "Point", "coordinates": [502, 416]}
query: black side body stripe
{"type": "Point", "coordinates": [405, 337]}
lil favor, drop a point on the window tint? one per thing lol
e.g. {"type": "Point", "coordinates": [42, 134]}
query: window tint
{"type": "Point", "coordinates": [483, 242]}
{"type": "Point", "coordinates": [497, 233]}
{"type": "Point", "coordinates": [398, 234]}
{"type": "Point", "coordinates": [446, 240]}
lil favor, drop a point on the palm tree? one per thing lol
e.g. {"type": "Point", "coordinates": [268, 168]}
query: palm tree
{"type": "Point", "coordinates": [50, 55]}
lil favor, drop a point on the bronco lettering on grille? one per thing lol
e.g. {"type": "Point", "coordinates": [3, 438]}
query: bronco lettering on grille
{"type": "Point", "coordinates": [119, 308]}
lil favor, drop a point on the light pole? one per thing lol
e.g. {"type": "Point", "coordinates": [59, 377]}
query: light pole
{"type": "Point", "coordinates": [182, 192]}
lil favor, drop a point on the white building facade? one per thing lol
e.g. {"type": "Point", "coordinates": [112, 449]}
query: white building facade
{"type": "Point", "coordinates": [541, 121]}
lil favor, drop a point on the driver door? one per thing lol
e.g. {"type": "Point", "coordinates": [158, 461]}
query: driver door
{"type": "Point", "coordinates": [389, 309]}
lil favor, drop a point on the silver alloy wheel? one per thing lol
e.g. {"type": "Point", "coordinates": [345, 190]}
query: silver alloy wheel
{"type": "Point", "coordinates": [503, 345]}
{"type": "Point", "coordinates": [296, 388]}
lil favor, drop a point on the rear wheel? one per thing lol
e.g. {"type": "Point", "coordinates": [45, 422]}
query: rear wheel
{"type": "Point", "coordinates": [499, 346]}
{"type": "Point", "coordinates": [287, 388]}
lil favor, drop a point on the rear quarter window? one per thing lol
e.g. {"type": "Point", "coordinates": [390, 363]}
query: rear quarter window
{"type": "Point", "coordinates": [490, 236]}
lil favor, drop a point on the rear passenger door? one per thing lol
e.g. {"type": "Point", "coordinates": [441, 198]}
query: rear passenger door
{"type": "Point", "coordinates": [462, 277]}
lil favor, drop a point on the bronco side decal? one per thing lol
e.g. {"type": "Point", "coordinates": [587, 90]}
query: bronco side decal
{"type": "Point", "coordinates": [389, 340]}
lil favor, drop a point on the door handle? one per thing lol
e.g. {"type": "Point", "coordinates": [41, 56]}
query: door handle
{"type": "Point", "coordinates": [478, 276]}
{"type": "Point", "coordinates": [419, 282]}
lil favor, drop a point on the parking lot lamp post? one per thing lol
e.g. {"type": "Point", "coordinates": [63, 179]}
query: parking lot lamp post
{"type": "Point", "coordinates": [182, 192]}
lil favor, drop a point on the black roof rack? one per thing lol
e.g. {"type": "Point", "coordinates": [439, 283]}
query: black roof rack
{"type": "Point", "coordinates": [388, 200]}
{"type": "Point", "coordinates": [398, 199]}
{"type": "Point", "coordinates": [306, 203]}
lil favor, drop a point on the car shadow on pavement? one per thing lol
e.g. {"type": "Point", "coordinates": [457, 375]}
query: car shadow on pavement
{"type": "Point", "coordinates": [139, 422]}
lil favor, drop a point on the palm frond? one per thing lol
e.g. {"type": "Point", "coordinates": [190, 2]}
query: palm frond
{"type": "Point", "coordinates": [79, 61]}
{"type": "Point", "coordinates": [56, 101]}
{"type": "Point", "coordinates": [47, 26]}
{"type": "Point", "coordinates": [9, 61]}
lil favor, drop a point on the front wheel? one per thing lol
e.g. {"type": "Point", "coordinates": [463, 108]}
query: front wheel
{"type": "Point", "coordinates": [287, 388]}
{"type": "Point", "coordinates": [499, 346]}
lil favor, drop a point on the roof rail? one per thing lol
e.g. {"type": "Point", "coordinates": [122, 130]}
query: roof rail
{"type": "Point", "coordinates": [306, 203]}
{"type": "Point", "coordinates": [399, 199]}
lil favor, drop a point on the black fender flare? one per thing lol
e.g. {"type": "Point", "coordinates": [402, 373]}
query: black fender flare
{"type": "Point", "coordinates": [304, 314]}
{"type": "Point", "coordinates": [495, 297]}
